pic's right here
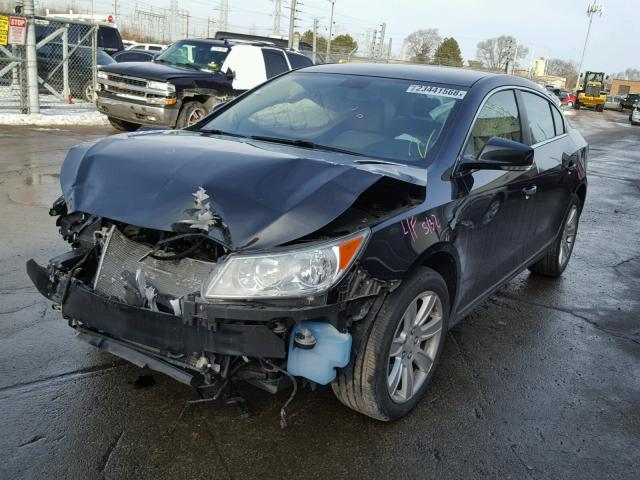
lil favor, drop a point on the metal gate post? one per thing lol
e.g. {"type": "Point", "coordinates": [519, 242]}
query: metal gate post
{"type": "Point", "coordinates": [65, 63]}
{"type": "Point", "coordinates": [32, 59]}
{"type": "Point", "coordinates": [94, 56]}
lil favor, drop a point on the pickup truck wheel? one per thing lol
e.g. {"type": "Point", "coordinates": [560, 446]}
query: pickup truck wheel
{"type": "Point", "coordinates": [191, 113]}
{"type": "Point", "coordinates": [122, 125]}
{"type": "Point", "coordinates": [395, 354]}
{"type": "Point", "coordinates": [557, 256]}
{"type": "Point", "coordinates": [89, 92]}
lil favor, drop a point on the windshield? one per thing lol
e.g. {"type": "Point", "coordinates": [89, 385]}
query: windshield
{"type": "Point", "coordinates": [595, 77]}
{"type": "Point", "coordinates": [398, 120]}
{"type": "Point", "coordinates": [192, 53]}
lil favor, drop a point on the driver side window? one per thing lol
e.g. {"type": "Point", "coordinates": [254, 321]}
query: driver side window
{"type": "Point", "coordinates": [498, 118]}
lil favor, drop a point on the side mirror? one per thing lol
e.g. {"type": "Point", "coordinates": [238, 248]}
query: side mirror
{"type": "Point", "coordinates": [230, 74]}
{"type": "Point", "coordinates": [500, 154]}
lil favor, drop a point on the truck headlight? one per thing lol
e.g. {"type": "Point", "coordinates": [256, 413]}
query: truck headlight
{"type": "Point", "coordinates": [162, 86]}
{"type": "Point", "coordinates": [103, 75]}
{"type": "Point", "coordinates": [295, 272]}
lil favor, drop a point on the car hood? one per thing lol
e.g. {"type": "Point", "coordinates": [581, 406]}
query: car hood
{"type": "Point", "coordinates": [154, 71]}
{"type": "Point", "coordinates": [266, 194]}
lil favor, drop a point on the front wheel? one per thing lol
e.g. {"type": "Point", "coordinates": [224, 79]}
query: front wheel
{"type": "Point", "coordinates": [569, 104]}
{"type": "Point", "coordinates": [394, 355]}
{"type": "Point", "coordinates": [191, 112]}
{"type": "Point", "coordinates": [599, 108]}
{"type": "Point", "coordinates": [557, 256]}
{"type": "Point", "coordinates": [577, 105]}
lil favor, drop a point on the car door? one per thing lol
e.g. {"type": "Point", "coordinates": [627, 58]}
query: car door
{"type": "Point", "coordinates": [495, 217]}
{"type": "Point", "coordinates": [554, 162]}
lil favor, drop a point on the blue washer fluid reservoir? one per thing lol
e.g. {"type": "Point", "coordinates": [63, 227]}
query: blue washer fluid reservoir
{"type": "Point", "coordinates": [332, 349]}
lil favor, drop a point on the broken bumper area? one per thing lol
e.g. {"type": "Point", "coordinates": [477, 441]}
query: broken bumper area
{"type": "Point", "coordinates": [157, 339]}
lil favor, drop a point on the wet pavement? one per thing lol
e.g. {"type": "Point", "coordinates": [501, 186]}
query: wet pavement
{"type": "Point", "coordinates": [542, 381]}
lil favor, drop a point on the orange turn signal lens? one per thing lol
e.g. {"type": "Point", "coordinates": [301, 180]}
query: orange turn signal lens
{"type": "Point", "coordinates": [348, 250]}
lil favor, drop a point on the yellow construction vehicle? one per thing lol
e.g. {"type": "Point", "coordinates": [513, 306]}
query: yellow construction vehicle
{"type": "Point", "coordinates": [591, 91]}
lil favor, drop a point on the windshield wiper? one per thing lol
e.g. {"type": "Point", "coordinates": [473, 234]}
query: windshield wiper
{"type": "Point", "coordinates": [304, 144]}
{"type": "Point", "coordinates": [214, 131]}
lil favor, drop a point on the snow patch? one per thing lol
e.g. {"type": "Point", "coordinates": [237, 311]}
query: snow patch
{"type": "Point", "coordinates": [62, 116]}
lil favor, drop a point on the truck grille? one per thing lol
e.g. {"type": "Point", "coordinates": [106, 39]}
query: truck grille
{"type": "Point", "coordinates": [127, 80]}
{"type": "Point", "coordinates": [121, 258]}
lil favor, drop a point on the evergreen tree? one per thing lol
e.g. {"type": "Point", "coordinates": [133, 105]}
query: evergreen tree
{"type": "Point", "coordinates": [448, 53]}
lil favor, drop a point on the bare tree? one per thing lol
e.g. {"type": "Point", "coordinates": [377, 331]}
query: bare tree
{"type": "Point", "coordinates": [632, 74]}
{"type": "Point", "coordinates": [494, 53]}
{"type": "Point", "coordinates": [421, 44]}
{"type": "Point", "coordinates": [563, 68]}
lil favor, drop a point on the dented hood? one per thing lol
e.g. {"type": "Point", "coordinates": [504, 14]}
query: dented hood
{"type": "Point", "coordinates": [266, 194]}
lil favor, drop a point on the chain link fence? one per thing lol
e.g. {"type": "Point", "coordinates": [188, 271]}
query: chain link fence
{"type": "Point", "coordinates": [13, 84]}
{"type": "Point", "coordinates": [67, 55]}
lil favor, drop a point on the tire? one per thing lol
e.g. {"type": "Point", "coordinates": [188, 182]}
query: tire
{"type": "Point", "coordinates": [364, 384]}
{"type": "Point", "coordinates": [122, 125]}
{"type": "Point", "coordinates": [599, 108]}
{"type": "Point", "coordinates": [190, 113]}
{"type": "Point", "coordinates": [88, 92]}
{"type": "Point", "coordinates": [577, 105]}
{"type": "Point", "coordinates": [620, 108]}
{"type": "Point", "coordinates": [557, 257]}
{"type": "Point", "coordinates": [569, 104]}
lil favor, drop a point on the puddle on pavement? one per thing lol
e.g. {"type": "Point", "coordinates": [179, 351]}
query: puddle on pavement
{"type": "Point", "coordinates": [34, 189]}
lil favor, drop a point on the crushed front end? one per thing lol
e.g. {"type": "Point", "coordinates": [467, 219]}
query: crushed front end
{"type": "Point", "coordinates": [161, 299]}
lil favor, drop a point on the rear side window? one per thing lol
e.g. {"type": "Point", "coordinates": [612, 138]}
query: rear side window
{"type": "Point", "coordinates": [498, 118]}
{"type": "Point", "coordinates": [274, 62]}
{"type": "Point", "coordinates": [155, 48]}
{"type": "Point", "coordinates": [298, 61]}
{"type": "Point", "coordinates": [540, 117]}
{"type": "Point", "coordinates": [558, 121]}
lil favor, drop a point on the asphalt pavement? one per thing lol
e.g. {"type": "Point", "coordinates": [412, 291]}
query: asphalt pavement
{"type": "Point", "coordinates": [542, 381]}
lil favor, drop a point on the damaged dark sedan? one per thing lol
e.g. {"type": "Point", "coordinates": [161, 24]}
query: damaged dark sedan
{"type": "Point", "coordinates": [327, 227]}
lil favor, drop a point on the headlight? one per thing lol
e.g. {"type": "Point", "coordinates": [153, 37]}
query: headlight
{"type": "Point", "coordinates": [295, 272]}
{"type": "Point", "coordinates": [103, 75]}
{"type": "Point", "coordinates": [164, 86]}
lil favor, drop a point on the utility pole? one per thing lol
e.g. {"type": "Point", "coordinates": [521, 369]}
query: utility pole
{"type": "Point", "coordinates": [224, 15]}
{"type": "Point", "coordinates": [115, 11]}
{"type": "Point", "coordinates": [330, 30]}
{"type": "Point", "coordinates": [592, 9]}
{"type": "Point", "coordinates": [187, 34]}
{"type": "Point", "coordinates": [374, 42]}
{"type": "Point", "coordinates": [292, 22]}
{"type": "Point", "coordinates": [315, 39]}
{"type": "Point", "coordinates": [32, 63]}
{"type": "Point", "coordinates": [383, 27]}
{"type": "Point", "coordinates": [208, 27]}
{"type": "Point", "coordinates": [389, 49]}
{"type": "Point", "coordinates": [277, 13]}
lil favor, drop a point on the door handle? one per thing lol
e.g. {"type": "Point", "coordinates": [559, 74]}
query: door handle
{"type": "Point", "coordinates": [528, 191]}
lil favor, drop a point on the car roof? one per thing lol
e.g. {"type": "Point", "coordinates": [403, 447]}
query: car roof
{"type": "Point", "coordinates": [426, 73]}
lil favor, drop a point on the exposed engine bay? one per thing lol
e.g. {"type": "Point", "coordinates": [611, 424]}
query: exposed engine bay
{"type": "Point", "coordinates": [204, 343]}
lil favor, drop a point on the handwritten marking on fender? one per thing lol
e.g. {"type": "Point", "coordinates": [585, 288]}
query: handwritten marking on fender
{"type": "Point", "coordinates": [428, 226]}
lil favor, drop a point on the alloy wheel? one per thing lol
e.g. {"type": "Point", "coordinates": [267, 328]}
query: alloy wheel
{"type": "Point", "coordinates": [195, 115]}
{"type": "Point", "coordinates": [414, 346]}
{"type": "Point", "coordinates": [568, 236]}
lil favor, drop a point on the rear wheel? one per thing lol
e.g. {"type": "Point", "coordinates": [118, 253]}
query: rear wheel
{"type": "Point", "coordinates": [577, 105]}
{"type": "Point", "coordinates": [600, 108]}
{"type": "Point", "coordinates": [122, 125]}
{"type": "Point", "coordinates": [190, 113]}
{"type": "Point", "coordinates": [557, 256]}
{"type": "Point", "coordinates": [395, 354]}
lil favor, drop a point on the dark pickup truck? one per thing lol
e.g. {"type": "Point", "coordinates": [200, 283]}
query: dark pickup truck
{"type": "Point", "coordinates": [184, 82]}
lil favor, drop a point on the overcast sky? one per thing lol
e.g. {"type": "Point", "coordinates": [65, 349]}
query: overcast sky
{"type": "Point", "coordinates": [549, 28]}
